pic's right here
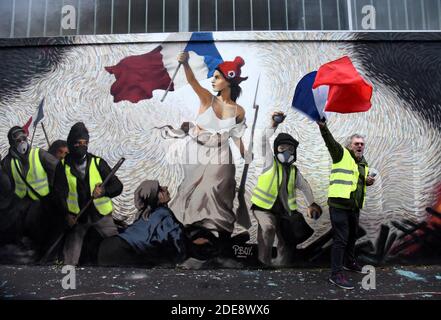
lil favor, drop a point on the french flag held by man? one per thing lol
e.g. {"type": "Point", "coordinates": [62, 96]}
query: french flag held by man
{"type": "Point", "coordinates": [335, 87]}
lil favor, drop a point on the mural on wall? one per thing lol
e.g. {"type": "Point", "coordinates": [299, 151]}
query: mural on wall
{"type": "Point", "coordinates": [186, 146]}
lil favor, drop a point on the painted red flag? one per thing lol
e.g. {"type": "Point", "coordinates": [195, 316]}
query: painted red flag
{"type": "Point", "coordinates": [137, 77]}
{"type": "Point", "coordinates": [27, 125]}
{"type": "Point", "coordinates": [348, 91]}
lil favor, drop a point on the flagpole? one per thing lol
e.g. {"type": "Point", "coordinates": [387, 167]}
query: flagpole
{"type": "Point", "coordinates": [45, 135]}
{"type": "Point", "coordinates": [33, 135]}
{"type": "Point", "coordinates": [171, 81]}
{"type": "Point", "coordinates": [37, 119]}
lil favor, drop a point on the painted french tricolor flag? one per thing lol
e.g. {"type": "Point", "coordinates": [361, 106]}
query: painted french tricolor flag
{"type": "Point", "coordinates": [35, 119]}
{"type": "Point", "coordinates": [335, 87]}
{"type": "Point", "coordinates": [138, 76]}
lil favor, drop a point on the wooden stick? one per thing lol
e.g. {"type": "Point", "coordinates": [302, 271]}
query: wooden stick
{"type": "Point", "coordinates": [45, 134]}
{"type": "Point", "coordinates": [33, 135]}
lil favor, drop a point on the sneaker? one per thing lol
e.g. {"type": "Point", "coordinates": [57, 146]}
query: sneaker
{"type": "Point", "coordinates": [340, 280]}
{"type": "Point", "coordinates": [354, 267]}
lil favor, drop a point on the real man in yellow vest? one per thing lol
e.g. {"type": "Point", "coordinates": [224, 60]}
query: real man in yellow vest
{"type": "Point", "coordinates": [30, 172]}
{"type": "Point", "coordinates": [346, 195]}
{"type": "Point", "coordinates": [78, 178]}
{"type": "Point", "coordinates": [275, 194]}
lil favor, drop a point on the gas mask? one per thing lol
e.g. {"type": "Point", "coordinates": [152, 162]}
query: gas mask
{"type": "Point", "coordinates": [286, 153]}
{"type": "Point", "coordinates": [286, 157]}
{"type": "Point", "coordinates": [22, 147]}
{"type": "Point", "coordinates": [285, 148]}
{"type": "Point", "coordinates": [18, 140]}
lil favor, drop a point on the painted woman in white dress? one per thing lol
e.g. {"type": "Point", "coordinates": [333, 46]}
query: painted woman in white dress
{"type": "Point", "coordinates": [205, 196]}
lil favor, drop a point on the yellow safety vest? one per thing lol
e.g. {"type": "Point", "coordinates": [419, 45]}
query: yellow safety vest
{"type": "Point", "coordinates": [266, 191]}
{"type": "Point", "coordinates": [344, 177]}
{"type": "Point", "coordinates": [36, 177]}
{"type": "Point", "coordinates": [103, 204]}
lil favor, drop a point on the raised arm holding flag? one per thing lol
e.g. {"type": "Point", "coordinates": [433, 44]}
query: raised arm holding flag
{"type": "Point", "coordinates": [138, 76]}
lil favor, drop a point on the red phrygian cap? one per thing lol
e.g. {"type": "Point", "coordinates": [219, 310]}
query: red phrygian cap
{"type": "Point", "coordinates": [231, 70]}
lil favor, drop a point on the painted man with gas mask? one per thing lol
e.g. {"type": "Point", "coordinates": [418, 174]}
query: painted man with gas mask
{"type": "Point", "coordinates": [274, 198]}
{"type": "Point", "coordinates": [79, 178]}
{"type": "Point", "coordinates": [31, 173]}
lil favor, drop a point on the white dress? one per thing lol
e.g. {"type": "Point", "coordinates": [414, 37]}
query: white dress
{"type": "Point", "coordinates": [206, 194]}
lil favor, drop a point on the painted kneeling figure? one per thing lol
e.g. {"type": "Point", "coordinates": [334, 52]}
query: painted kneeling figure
{"type": "Point", "coordinates": [156, 237]}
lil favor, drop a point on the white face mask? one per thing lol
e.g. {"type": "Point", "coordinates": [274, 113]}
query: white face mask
{"type": "Point", "coordinates": [285, 157]}
{"type": "Point", "coordinates": [22, 147]}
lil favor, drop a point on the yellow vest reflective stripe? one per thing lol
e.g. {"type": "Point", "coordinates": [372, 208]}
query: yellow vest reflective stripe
{"type": "Point", "coordinates": [72, 196]}
{"type": "Point", "coordinates": [103, 205]}
{"type": "Point", "coordinates": [36, 177]}
{"type": "Point", "coordinates": [268, 184]}
{"type": "Point", "coordinates": [344, 177]}
{"type": "Point", "coordinates": [20, 187]}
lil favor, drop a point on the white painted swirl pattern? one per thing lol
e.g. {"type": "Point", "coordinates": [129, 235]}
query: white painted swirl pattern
{"type": "Point", "coordinates": [401, 146]}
